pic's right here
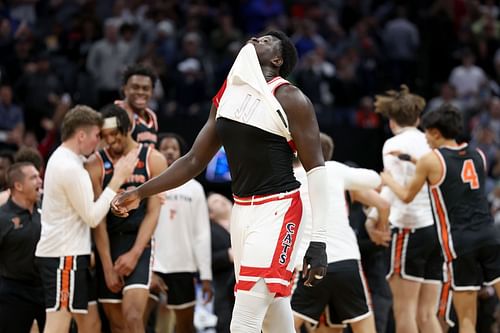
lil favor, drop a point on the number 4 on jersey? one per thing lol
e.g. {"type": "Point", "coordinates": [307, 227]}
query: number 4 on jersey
{"type": "Point", "coordinates": [469, 174]}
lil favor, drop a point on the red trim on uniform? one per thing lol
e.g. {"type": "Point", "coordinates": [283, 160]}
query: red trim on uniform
{"type": "Point", "coordinates": [216, 99]}
{"type": "Point", "coordinates": [274, 79]}
{"type": "Point", "coordinates": [445, 236]}
{"type": "Point", "coordinates": [279, 85]}
{"type": "Point", "coordinates": [148, 153]}
{"type": "Point", "coordinates": [255, 199]}
{"type": "Point", "coordinates": [398, 256]}
{"type": "Point", "coordinates": [65, 282]}
{"type": "Point", "coordinates": [443, 299]}
{"type": "Point", "coordinates": [292, 145]}
{"type": "Point", "coordinates": [282, 253]}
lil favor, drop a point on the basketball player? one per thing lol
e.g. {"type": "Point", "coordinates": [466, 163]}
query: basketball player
{"type": "Point", "coordinates": [68, 213]}
{"type": "Point", "coordinates": [415, 272]}
{"type": "Point", "coordinates": [182, 241]}
{"type": "Point", "coordinates": [455, 175]}
{"type": "Point", "coordinates": [343, 294]}
{"type": "Point", "coordinates": [260, 118]}
{"type": "Point", "coordinates": [124, 244]}
{"type": "Point", "coordinates": [138, 85]}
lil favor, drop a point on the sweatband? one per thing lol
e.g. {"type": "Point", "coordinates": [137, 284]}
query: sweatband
{"type": "Point", "coordinates": [110, 122]}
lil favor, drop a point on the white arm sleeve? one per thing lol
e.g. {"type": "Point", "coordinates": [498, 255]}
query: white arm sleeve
{"type": "Point", "coordinates": [201, 238]}
{"type": "Point", "coordinates": [317, 180]}
{"type": "Point", "coordinates": [79, 191]}
{"type": "Point", "coordinates": [361, 179]}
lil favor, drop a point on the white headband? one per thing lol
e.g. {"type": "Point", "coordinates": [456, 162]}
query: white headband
{"type": "Point", "coordinates": [110, 122]}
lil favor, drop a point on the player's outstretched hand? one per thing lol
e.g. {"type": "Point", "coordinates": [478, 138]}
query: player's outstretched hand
{"type": "Point", "coordinates": [315, 263]}
{"type": "Point", "coordinates": [125, 202]}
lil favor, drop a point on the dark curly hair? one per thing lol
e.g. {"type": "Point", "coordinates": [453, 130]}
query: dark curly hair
{"type": "Point", "coordinates": [446, 119]}
{"type": "Point", "coordinates": [169, 135]}
{"type": "Point", "coordinates": [138, 69]}
{"type": "Point", "coordinates": [288, 52]}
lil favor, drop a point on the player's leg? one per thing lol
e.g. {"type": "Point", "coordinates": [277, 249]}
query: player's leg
{"type": "Point", "coordinates": [279, 316]}
{"type": "Point", "coordinates": [465, 303]}
{"type": "Point", "coordinates": [133, 308]}
{"type": "Point", "coordinates": [428, 299]}
{"type": "Point", "coordinates": [405, 303]}
{"type": "Point", "coordinates": [430, 291]}
{"type": "Point", "coordinates": [113, 311]}
{"type": "Point", "coordinates": [250, 308]}
{"type": "Point", "coordinates": [90, 322]}
{"type": "Point", "coordinates": [466, 282]}
{"type": "Point", "coordinates": [58, 321]}
{"type": "Point", "coordinates": [182, 299]}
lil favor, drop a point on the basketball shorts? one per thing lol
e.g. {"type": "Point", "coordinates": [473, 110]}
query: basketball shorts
{"type": "Point", "coordinates": [342, 294]}
{"type": "Point", "coordinates": [66, 282]}
{"type": "Point", "coordinates": [416, 255]}
{"type": "Point", "coordinates": [181, 289]}
{"type": "Point", "coordinates": [471, 270]}
{"type": "Point", "coordinates": [264, 234]}
{"type": "Point", "coordinates": [140, 276]}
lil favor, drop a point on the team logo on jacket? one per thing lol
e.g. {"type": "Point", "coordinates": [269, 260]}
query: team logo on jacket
{"type": "Point", "coordinates": [16, 221]}
{"type": "Point", "coordinates": [287, 242]}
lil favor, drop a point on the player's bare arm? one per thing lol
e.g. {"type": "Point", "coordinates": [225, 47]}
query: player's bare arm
{"type": "Point", "coordinates": [127, 262]}
{"type": "Point", "coordinates": [100, 233]}
{"type": "Point", "coordinates": [207, 143]}
{"type": "Point", "coordinates": [305, 133]}
{"type": "Point", "coordinates": [303, 125]}
{"type": "Point", "coordinates": [424, 171]}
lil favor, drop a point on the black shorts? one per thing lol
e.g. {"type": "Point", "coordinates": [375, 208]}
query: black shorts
{"type": "Point", "coordinates": [140, 278]}
{"type": "Point", "coordinates": [471, 270]}
{"type": "Point", "coordinates": [416, 255]}
{"type": "Point", "coordinates": [65, 282]}
{"type": "Point", "coordinates": [181, 292]}
{"type": "Point", "coordinates": [342, 294]}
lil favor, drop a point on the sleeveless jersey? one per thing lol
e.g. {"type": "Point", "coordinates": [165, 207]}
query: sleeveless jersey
{"type": "Point", "coordinates": [459, 202]}
{"type": "Point", "coordinates": [254, 130]}
{"type": "Point", "coordinates": [141, 174]}
{"type": "Point", "coordinates": [143, 130]}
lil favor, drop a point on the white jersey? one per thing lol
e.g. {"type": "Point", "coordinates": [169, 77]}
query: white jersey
{"type": "Point", "coordinates": [249, 99]}
{"type": "Point", "coordinates": [68, 207]}
{"type": "Point", "coordinates": [418, 213]}
{"type": "Point", "coordinates": [341, 239]}
{"type": "Point", "coordinates": [182, 236]}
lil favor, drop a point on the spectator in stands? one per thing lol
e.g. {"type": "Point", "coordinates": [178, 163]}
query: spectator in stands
{"type": "Point", "coordinates": [106, 60]}
{"type": "Point", "coordinates": [11, 119]}
{"type": "Point", "coordinates": [219, 209]}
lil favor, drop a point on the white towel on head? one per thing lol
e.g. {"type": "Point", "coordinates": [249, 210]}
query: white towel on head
{"type": "Point", "coordinates": [249, 99]}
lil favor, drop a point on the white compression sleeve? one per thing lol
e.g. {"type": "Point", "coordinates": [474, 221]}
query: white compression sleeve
{"type": "Point", "coordinates": [318, 194]}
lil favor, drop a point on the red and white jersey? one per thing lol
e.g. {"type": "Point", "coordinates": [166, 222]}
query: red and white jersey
{"type": "Point", "coordinates": [247, 98]}
{"type": "Point", "coordinates": [418, 213]}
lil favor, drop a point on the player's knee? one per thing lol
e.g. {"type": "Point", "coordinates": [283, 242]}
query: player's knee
{"type": "Point", "coordinates": [426, 315]}
{"type": "Point", "coordinates": [133, 316]}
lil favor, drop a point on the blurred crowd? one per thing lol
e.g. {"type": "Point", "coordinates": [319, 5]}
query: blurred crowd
{"type": "Point", "coordinates": [57, 53]}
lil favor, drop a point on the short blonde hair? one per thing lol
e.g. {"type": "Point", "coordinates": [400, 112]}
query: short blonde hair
{"type": "Point", "coordinates": [78, 117]}
{"type": "Point", "coordinates": [401, 106]}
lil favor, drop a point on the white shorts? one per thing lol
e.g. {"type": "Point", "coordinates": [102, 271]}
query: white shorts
{"type": "Point", "coordinates": [264, 232]}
